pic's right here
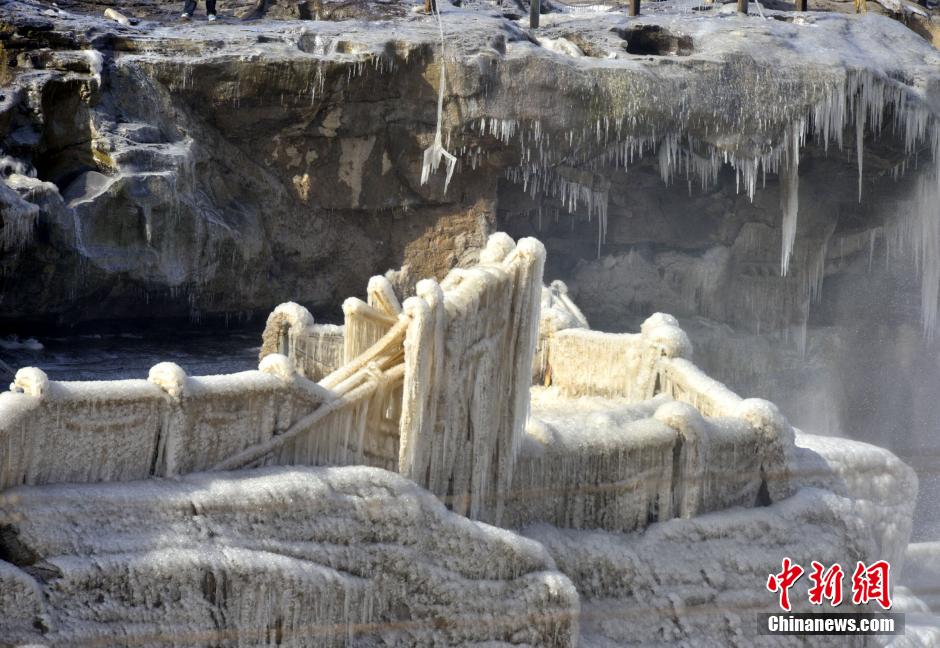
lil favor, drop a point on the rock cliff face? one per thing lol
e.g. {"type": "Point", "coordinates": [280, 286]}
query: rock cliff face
{"type": "Point", "coordinates": [191, 171]}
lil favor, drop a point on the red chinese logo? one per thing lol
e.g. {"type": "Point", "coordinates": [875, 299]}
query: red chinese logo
{"type": "Point", "coordinates": [827, 584]}
{"type": "Point", "coordinates": [869, 583]}
{"type": "Point", "coordinates": [783, 581]}
{"type": "Point", "coordinates": [872, 583]}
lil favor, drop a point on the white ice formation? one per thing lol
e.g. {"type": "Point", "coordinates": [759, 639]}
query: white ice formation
{"type": "Point", "coordinates": [620, 434]}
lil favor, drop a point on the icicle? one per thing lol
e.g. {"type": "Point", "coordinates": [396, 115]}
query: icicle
{"type": "Point", "coordinates": [860, 148]}
{"type": "Point", "coordinates": [789, 199]}
{"type": "Point", "coordinates": [436, 152]}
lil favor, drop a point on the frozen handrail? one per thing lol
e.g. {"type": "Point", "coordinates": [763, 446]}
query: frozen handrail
{"type": "Point", "coordinates": [367, 388]}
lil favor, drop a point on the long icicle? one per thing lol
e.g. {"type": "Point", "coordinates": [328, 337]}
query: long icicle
{"type": "Point", "coordinates": [789, 197]}
{"type": "Point", "coordinates": [860, 143]}
{"type": "Point", "coordinates": [434, 153]}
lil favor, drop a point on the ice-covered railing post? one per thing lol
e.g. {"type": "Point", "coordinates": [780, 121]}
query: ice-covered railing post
{"type": "Point", "coordinates": [535, 10]}
{"type": "Point", "coordinates": [558, 312]}
{"type": "Point", "coordinates": [468, 356]}
{"type": "Point", "coordinates": [285, 326]}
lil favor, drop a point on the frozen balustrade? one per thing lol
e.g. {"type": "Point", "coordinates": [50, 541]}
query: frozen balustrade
{"type": "Point", "coordinates": [626, 405]}
{"type": "Point", "coordinates": [619, 430]}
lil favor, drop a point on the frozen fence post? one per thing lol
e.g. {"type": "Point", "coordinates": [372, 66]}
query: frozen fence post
{"type": "Point", "coordinates": [634, 9]}
{"type": "Point", "coordinates": [742, 6]}
{"type": "Point", "coordinates": [288, 320]}
{"type": "Point", "coordinates": [430, 6]}
{"type": "Point", "coordinates": [535, 8]}
{"type": "Point", "coordinates": [801, 5]}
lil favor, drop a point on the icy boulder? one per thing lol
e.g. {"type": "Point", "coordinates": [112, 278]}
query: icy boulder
{"type": "Point", "coordinates": [879, 489]}
{"type": "Point", "coordinates": [285, 556]}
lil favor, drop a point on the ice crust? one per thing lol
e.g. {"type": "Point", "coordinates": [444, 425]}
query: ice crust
{"type": "Point", "coordinates": [288, 556]}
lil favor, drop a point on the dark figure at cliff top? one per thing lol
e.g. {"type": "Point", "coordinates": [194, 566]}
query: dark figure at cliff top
{"type": "Point", "coordinates": [190, 8]}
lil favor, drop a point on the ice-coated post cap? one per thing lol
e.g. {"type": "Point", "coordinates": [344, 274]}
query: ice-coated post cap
{"type": "Point", "coordinates": [169, 377]}
{"type": "Point", "coordinates": [532, 247]}
{"type": "Point", "coordinates": [295, 314]}
{"type": "Point", "coordinates": [663, 331]}
{"type": "Point", "coordinates": [416, 307]}
{"type": "Point", "coordinates": [498, 245]}
{"type": "Point", "coordinates": [31, 381]}
{"type": "Point", "coordinates": [279, 366]}
{"type": "Point", "coordinates": [679, 415]}
{"type": "Point", "coordinates": [559, 286]}
{"type": "Point", "coordinates": [760, 413]}
{"type": "Point", "coordinates": [430, 290]}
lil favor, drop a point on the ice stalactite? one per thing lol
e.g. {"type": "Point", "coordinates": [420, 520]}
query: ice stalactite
{"type": "Point", "coordinates": [434, 154]}
{"type": "Point", "coordinates": [915, 233]}
{"type": "Point", "coordinates": [930, 254]}
{"type": "Point", "coordinates": [789, 197]}
{"type": "Point", "coordinates": [572, 188]}
{"type": "Point", "coordinates": [922, 226]}
{"type": "Point", "coordinates": [872, 104]}
{"type": "Point", "coordinates": [860, 150]}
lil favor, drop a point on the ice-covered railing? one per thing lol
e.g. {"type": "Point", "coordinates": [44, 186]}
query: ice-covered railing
{"type": "Point", "coordinates": [557, 313]}
{"type": "Point", "coordinates": [356, 424]}
{"type": "Point", "coordinates": [463, 398]}
{"type": "Point", "coordinates": [463, 402]}
{"type": "Point", "coordinates": [731, 450]}
{"type": "Point", "coordinates": [440, 394]}
{"type": "Point", "coordinates": [173, 424]}
{"type": "Point", "coordinates": [52, 431]}
{"type": "Point", "coordinates": [617, 464]}
{"type": "Point", "coordinates": [316, 350]}
{"type": "Point", "coordinates": [79, 431]}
